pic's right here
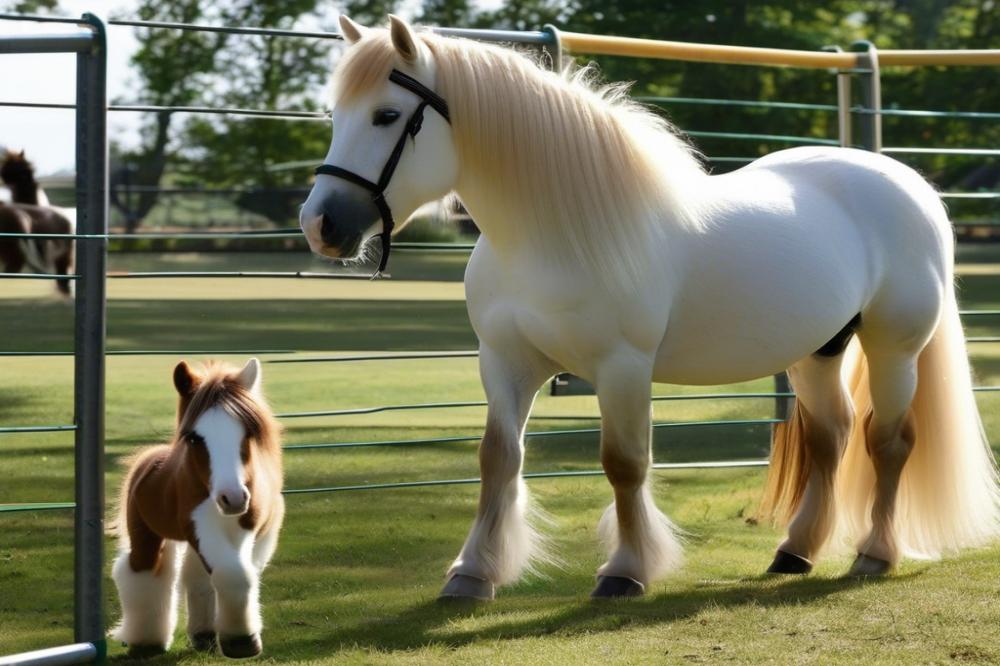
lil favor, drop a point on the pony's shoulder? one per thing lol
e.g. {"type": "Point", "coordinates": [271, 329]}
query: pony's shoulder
{"type": "Point", "coordinates": [146, 459]}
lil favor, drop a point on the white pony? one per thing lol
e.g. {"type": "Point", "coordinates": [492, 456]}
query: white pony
{"type": "Point", "coordinates": [607, 251]}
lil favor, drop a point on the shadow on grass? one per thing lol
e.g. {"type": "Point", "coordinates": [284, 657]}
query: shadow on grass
{"type": "Point", "coordinates": [439, 623]}
{"type": "Point", "coordinates": [434, 622]}
{"type": "Point", "coordinates": [323, 325]}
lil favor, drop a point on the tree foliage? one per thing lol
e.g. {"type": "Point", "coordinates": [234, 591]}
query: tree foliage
{"type": "Point", "coordinates": [30, 6]}
{"type": "Point", "coordinates": [261, 73]}
{"type": "Point", "coordinates": [158, 63]}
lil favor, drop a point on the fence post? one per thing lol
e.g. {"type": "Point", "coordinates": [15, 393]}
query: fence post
{"type": "Point", "coordinates": [554, 48]}
{"type": "Point", "coordinates": [870, 117]}
{"type": "Point", "coordinates": [89, 336]}
{"type": "Point", "coordinates": [843, 102]}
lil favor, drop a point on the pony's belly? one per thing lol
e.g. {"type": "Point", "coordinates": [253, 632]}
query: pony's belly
{"type": "Point", "coordinates": [721, 338]}
{"type": "Point", "coordinates": [709, 364]}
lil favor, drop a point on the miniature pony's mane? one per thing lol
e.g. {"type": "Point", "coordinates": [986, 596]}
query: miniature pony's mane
{"type": "Point", "coordinates": [576, 168]}
{"type": "Point", "coordinates": [218, 387]}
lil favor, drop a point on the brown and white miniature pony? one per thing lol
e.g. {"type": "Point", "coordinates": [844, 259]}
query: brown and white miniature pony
{"type": "Point", "coordinates": [30, 212]}
{"type": "Point", "coordinates": [211, 498]}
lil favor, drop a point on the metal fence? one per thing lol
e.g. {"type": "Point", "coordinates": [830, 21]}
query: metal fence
{"type": "Point", "coordinates": [859, 67]}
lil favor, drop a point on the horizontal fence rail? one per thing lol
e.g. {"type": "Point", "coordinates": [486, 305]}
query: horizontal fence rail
{"type": "Point", "coordinates": [528, 435]}
{"type": "Point", "coordinates": [290, 114]}
{"type": "Point", "coordinates": [577, 42]}
{"type": "Point", "coordinates": [155, 352]}
{"type": "Point", "coordinates": [748, 55]}
{"type": "Point", "coordinates": [37, 276]}
{"type": "Point", "coordinates": [239, 274]}
{"type": "Point", "coordinates": [39, 428]}
{"type": "Point", "coordinates": [722, 464]}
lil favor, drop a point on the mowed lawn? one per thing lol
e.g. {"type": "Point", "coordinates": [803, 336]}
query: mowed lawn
{"type": "Point", "coordinates": [356, 573]}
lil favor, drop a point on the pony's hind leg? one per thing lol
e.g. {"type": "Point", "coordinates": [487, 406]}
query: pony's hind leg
{"type": "Point", "coordinates": [267, 539]}
{"type": "Point", "coordinates": [890, 436]}
{"type": "Point", "coordinates": [641, 541]}
{"type": "Point", "coordinates": [146, 576]}
{"type": "Point", "coordinates": [200, 597]}
{"type": "Point", "coordinates": [501, 543]}
{"type": "Point", "coordinates": [62, 263]}
{"type": "Point", "coordinates": [807, 450]}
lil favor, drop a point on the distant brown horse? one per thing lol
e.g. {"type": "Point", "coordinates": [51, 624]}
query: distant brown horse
{"type": "Point", "coordinates": [30, 213]}
{"type": "Point", "coordinates": [216, 488]}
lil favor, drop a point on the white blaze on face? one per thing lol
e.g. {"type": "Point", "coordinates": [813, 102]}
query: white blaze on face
{"type": "Point", "coordinates": [223, 435]}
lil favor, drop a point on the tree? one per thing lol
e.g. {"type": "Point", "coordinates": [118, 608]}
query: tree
{"type": "Point", "coordinates": [173, 67]}
{"type": "Point", "coordinates": [370, 13]}
{"type": "Point", "coordinates": [453, 13]}
{"type": "Point", "coordinates": [262, 73]}
{"type": "Point", "coordinates": [30, 6]}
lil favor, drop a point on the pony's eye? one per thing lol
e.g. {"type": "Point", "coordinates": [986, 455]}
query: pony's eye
{"type": "Point", "coordinates": [193, 438]}
{"type": "Point", "coordinates": [383, 117]}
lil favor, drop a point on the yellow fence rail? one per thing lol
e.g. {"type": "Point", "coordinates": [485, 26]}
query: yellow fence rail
{"type": "Point", "coordinates": [577, 42]}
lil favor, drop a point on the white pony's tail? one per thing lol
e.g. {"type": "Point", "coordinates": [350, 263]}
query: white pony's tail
{"type": "Point", "coordinates": [949, 497]}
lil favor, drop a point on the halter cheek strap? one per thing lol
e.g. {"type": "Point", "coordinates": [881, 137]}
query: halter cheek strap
{"type": "Point", "coordinates": [428, 98]}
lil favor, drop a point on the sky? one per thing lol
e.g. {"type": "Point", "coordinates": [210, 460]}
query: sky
{"type": "Point", "coordinates": [47, 135]}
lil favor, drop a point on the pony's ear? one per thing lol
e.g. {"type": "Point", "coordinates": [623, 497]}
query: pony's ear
{"type": "Point", "coordinates": [351, 31]}
{"type": "Point", "coordinates": [185, 379]}
{"type": "Point", "coordinates": [403, 39]}
{"type": "Point", "coordinates": [249, 377]}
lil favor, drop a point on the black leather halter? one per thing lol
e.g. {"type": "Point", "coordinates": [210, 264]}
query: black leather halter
{"type": "Point", "coordinates": [428, 98]}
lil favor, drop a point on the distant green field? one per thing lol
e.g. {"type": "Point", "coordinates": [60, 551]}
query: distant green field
{"type": "Point", "coordinates": [356, 573]}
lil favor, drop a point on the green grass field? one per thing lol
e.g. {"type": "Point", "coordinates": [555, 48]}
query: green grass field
{"type": "Point", "coordinates": [356, 573]}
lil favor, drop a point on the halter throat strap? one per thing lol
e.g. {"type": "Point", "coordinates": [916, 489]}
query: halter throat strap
{"type": "Point", "coordinates": [429, 98]}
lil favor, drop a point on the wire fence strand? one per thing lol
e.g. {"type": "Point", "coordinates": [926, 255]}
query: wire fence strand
{"type": "Point", "coordinates": [398, 485]}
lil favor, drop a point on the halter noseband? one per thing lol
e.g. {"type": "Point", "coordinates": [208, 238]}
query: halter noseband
{"type": "Point", "coordinates": [413, 125]}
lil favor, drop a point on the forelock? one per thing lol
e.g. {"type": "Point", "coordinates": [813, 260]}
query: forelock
{"type": "Point", "coordinates": [364, 66]}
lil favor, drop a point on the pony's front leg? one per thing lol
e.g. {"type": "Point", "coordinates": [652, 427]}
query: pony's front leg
{"type": "Point", "coordinates": [641, 541]}
{"type": "Point", "coordinates": [501, 542]}
{"type": "Point", "coordinates": [145, 575]}
{"type": "Point", "coordinates": [227, 550]}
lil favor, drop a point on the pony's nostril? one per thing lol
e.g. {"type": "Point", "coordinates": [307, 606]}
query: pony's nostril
{"type": "Point", "coordinates": [326, 229]}
{"type": "Point", "coordinates": [225, 500]}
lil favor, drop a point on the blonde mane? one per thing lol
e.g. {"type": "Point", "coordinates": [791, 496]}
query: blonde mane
{"type": "Point", "coordinates": [218, 387]}
{"type": "Point", "coordinates": [575, 168]}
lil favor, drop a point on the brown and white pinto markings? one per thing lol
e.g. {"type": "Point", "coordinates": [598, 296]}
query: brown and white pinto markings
{"type": "Point", "coordinates": [212, 498]}
{"type": "Point", "coordinates": [30, 212]}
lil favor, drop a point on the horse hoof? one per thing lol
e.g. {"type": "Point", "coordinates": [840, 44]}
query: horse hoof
{"type": "Point", "coordinates": [461, 586]}
{"type": "Point", "coordinates": [145, 651]}
{"type": "Point", "coordinates": [203, 641]}
{"type": "Point", "coordinates": [789, 563]}
{"type": "Point", "coordinates": [866, 566]}
{"type": "Point", "coordinates": [241, 647]}
{"type": "Point", "coordinates": [613, 587]}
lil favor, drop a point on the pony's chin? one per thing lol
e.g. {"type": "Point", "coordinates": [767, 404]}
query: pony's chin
{"type": "Point", "coordinates": [341, 253]}
{"type": "Point", "coordinates": [349, 252]}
